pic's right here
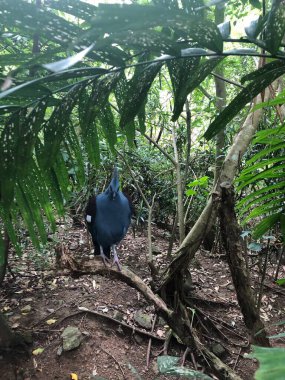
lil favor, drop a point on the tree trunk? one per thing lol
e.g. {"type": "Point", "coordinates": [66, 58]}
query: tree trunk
{"type": "Point", "coordinates": [10, 340]}
{"type": "Point", "coordinates": [231, 236]}
{"type": "Point", "coordinates": [179, 186]}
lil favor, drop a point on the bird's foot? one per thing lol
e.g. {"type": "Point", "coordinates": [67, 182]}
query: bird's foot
{"type": "Point", "coordinates": [105, 259]}
{"type": "Point", "coordinates": [116, 260]}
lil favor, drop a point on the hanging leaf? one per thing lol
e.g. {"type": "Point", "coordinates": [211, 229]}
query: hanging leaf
{"type": "Point", "coordinates": [108, 125]}
{"type": "Point", "coordinates": [180, 72]}
{"type": "Point", "coordinates": [185, 81]}
{"type": "Point", "coordinates": [266, 224]}
{"type": "Point", "coordinates": [114, 18]}
{"type": "Point", "coordinates": [271, 71]}
{"type": "Point", "coordinates": [30, 20]}
{"type": "Point", "coordinates": [55, 127]}
{"type": "Point", "coordinates": [137, 92]}
{"type": "Point", "coordinates": [68, 62]}
{"type": "Point", "coordinates": [75, 152]}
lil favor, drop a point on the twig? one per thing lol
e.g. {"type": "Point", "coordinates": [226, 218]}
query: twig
{"type": "Point", "coordinates": [133, 328]}
{"type": "Point", "coordinates": [279, 263]}
{"type": "Point", "coordinates": [115, 360]}
{"type": "Point", "coordinates": [186, 352]}
{"type": "Point", "coordinates": [227, 80]}
{"type": "Point", "coordinates": [263, 277]}
{"type": "Point", "coordinates": [167, 341]}
{"type": "Point", "coordinates": [238, 355]}
{"type": "Point", "coordinates": [149, 342]}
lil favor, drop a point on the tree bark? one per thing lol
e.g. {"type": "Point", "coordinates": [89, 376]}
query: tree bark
{"type": "Point", "coordinates": [231, 236]}
{"type": "Point", "coordinates": [179, 187]}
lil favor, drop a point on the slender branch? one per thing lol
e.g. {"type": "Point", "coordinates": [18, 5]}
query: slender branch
{"type": "Point", "coordinates": [161, 149]}
{"type": "Point", "coordinates": [227, 80]}
{"type": "Point", "coordinates": [134, 179]}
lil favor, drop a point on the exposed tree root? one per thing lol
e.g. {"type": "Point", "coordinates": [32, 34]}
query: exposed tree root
{"type": "Point", "coordinates": [178, 320]}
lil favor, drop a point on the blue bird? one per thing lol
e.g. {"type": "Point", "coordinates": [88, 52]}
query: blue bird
{"type": "Point", "coordinates": [108, 217]}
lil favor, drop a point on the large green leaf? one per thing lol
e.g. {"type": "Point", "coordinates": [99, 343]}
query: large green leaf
{"type": "Point", "coordinates": [271, 362]}
{"type": "Point", "coordinates": [185, 78]}
{"type": "Point", "coordinates": [108, 125]}
{"type": "Point", "coordinates": [137, 92]}
{"type": "Point", "coordinates": [27, 88]}
{"type": "Point", "coordinates": [55, 128]}
{"type": "Point", "coordinates": [113, 18]}
{"type": "Point", "coordinates": [168, 365]}
{"type": "Point", "coordinates": [68, 62]}
{"type": "Point", "coordinates": [265, 225]}
{"type": "Point", "coordinates": [271, 72]}
{"type": "Point", "coordinates": [31, 19]}
{"type": "Point", "coordinates": [83, 11]}
{"type": "Point", "coordinates": [90, 110]}
{"type": "Point", "coordinates": [180, 72]}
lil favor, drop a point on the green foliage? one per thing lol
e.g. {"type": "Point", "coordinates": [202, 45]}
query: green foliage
{"type": "Point", "coordinates": [40, 111]}
{"type": "Point", "coordinates": [200, 182]}
{"type": "Point", "coordinates": [272, 362]}
{"type": "Point", "coordinates": [260, 79]}
{"type": "Point", "coordinates": [264, 171]}
{"type": "Point", "coordinates": [168, 365]}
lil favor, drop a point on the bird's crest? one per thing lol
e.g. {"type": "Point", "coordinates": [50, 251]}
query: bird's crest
{"type": "Point", "coordinates": [114, 186]}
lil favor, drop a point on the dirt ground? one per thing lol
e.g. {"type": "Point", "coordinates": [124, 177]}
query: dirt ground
{"type": "Point", "coordinates": [37, 297]}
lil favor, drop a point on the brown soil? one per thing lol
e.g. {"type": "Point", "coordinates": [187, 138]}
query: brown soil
{"type": "Point", "coordinates": [36, 298]}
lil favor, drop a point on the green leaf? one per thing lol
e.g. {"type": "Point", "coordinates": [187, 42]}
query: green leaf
{"type": "Point", "coordinates": [27, 215]}
{"type": "Point", "coordinates": [271, 362]}
{"type": "Point", "coordinates": [265, 225]}
{"type": "Point", "coordinates": [180, 71]}
{"type": "Point", "coordinates": [256, 3]}
{"type": "Point", "coordinates": [191, 80]}
{"type": "Point", "coordinates": [275, 27]}
{"type": "Point", "coordinates": [56, 126]}
{"type": "Point", "coordinates": [203, 181]}
{"type": "Point", "coordinates": [190, 192]}
{"type": "Point", "coordinates": [114, 18]}
{"type": "Point", "coordinates": [68, 62]}
{"type": "Point", "coordinates": [168, 365]}
{"type": "Point", "coordinates": [281, 335]}
{"type": "Point", "coordinates": [27, 17]}
{"type": "Point", "coordinates": [108, 126]}
{"type": "Point", "coordinates": [272, 71]}
{"type": "Point", "coordinates": [281, 282]}
{"type": "Point", "coordinates": [75, 152]}
{"type": "Point", "coordinates": [136, 94]}
{"type": "Point", "coordinates": [6, 218]}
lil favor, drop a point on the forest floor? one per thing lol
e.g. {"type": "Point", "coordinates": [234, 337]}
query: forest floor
{"type": "Point", "coordinates": [37, 297]}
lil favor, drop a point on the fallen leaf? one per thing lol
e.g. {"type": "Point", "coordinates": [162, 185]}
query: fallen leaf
{"type": "Point", "coordinates": [160, 333]}
{"type": "Point", "coordinates": [38, 351]}
{"type": "Point", "coordinates": [51, 321]}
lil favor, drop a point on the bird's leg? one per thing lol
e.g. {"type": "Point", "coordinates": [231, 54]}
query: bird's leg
{"type": "Point", "coordinates": [104, 257]}
{"type": "Point", "coordinates": [116, 259]}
